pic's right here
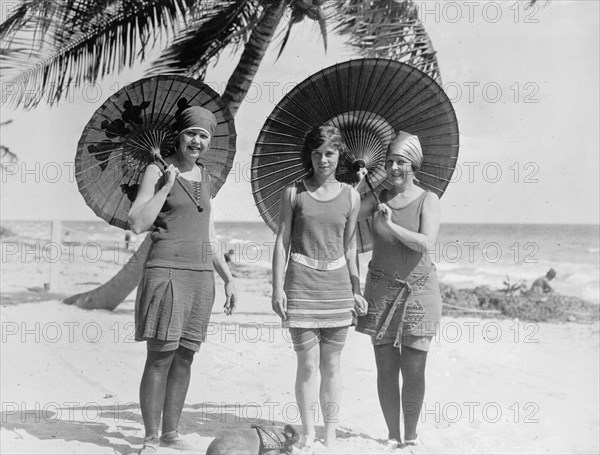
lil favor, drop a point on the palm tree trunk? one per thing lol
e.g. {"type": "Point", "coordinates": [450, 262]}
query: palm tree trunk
{"type": "Point", "coordinates": [109, 295]}
{"type": "Point", "coordinates": [254, 51]}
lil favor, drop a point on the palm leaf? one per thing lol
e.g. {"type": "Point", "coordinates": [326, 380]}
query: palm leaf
{"type": "Point", "coordinates": [301, 9]}
{"type": "Point", "coordinates": [388, 29]}
{"type": "Point", "coordinates": [206, 36]}
{"type": "Point", "coordinates": [30, 16]}
{"type": "Point", "coordinates": [80, 40]}
{"type": "Point", "coordinates": [6, 156]}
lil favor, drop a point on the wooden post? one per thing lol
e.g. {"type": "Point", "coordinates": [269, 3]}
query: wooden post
{"type": "Point", "coordinates": [56, 240]}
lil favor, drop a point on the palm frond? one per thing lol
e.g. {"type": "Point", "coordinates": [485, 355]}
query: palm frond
{"type": "Point", "coordinates": [6, 156]}
{"type": "Point", "coordinates": [302, 9]}
{"type": "Point", "coordinates": [207, 34]}
{"type": "Point", "coordinates": [30, 15]}
{"type": "Point", "coordinates": [46, 51]}
{"type": "Point", "coordinates": [388, 29]}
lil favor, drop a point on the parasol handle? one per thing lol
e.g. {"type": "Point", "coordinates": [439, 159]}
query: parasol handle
{"type": "Point", "coordinates": [361, 164]}
{"type": "Point", "coordinates": [157, 156]}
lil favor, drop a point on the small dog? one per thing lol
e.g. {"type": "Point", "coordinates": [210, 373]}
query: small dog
{"type": "Point", "coordinates": [255, 441]}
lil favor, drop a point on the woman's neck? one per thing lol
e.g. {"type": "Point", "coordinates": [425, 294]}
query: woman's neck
{"type": "Point", "coordinates": [182, 165]}
{"type": "Point", "coordinates": [407, 188]}
{"type": "Point", "coordinates": [323, 180]}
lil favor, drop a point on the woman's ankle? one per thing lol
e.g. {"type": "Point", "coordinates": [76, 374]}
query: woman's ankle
{"type": "Point", "coordinates": [330, 435]}
{"type": "Point", "coordinates": [410, 436]}
{"type": "Point", "coordinates": [412, 441]}
{"type": "Point", "coordinates": [151, 435]}
{"type": "Point", "coordinates": [394, 437]}
{"type": "Point", "coordinates": [169, 434]}
{"type": "Point", "coordinates": [306, 440]}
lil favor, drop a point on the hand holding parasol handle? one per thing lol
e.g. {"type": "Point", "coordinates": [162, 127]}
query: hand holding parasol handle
{"type": "Point", "coordinates": [157, 157]}
{"type": "Point", "coordinates": [356, 167]}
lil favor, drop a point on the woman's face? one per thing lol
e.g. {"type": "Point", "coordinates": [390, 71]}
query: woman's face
{"type": "Point", "coordinates": [399, 169]}
{"type": "Point", "coordinates": [193, 143]}
{"type": "Point", "coordinates": [325, 159]}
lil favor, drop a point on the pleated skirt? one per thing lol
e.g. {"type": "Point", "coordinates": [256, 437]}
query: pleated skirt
{"type": "Point", "coordinates": [174, 303]}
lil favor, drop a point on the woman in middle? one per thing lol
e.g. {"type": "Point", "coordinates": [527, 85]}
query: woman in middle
{"type": "Point", "coordinates": [317, 293]}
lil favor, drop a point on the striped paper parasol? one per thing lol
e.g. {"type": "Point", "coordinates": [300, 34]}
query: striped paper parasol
{"type": "Point", "coordinates": [369, 100]}
{"type": "Point", "coordinates": [126, 132]}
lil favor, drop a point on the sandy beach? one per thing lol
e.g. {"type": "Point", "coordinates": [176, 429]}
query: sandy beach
{"type": "Point", "coordinates": [70, 377]}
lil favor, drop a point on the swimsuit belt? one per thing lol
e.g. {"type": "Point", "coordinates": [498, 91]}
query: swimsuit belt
{"type": "Point", "coordinates": [398, 280]}
{"type": "Point", "coordinates": [319, 265]}
{"type": "Point", "coordinates": [399, 303]}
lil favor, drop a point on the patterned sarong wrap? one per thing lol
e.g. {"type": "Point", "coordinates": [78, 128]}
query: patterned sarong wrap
{"type": "Point", "coordinates": [394, 307]}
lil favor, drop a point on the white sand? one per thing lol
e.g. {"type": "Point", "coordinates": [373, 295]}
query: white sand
{"type": "Point", "coordinates": [70, 378]}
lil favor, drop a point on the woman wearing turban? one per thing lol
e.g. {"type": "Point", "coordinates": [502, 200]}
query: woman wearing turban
{"type": "Point", "coordinates": [405, 227]}
{"type": "Point", "coordinates": [176, 292]}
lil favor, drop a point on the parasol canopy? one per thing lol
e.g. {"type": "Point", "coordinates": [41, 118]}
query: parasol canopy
{"type": "Point", "coordinates": [124, 134]}
{"type": "Point", "coordinates": [369, 100]}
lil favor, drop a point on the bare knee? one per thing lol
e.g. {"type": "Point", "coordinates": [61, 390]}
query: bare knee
{"type": "Point", "coordinates": [308, 363]}
{"type": "Point", "coordinates": [329, 362]}
{"type": "Point", "coordinates": [158, 360]}
{"type": "Point", "coordinates": [412, 364]}
{"type": "Point", "coordinates": [184, 355]}
{"type": "Point", "coordinates": [387, 359]}
{"type": "Point", "coordinates": [329, 368]}
{"type": "Point", "coordinates": [308, 369]}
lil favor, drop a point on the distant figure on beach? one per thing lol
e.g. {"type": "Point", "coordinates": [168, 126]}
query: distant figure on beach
{"type": "Point", "coordinates": [176, 293]}
{"type": "Point", "coordinates": [127, 239]}
{"type": "Point", "coordinates": [229, 256]}
{"type": "Point", "coordinates": [542, 284]}
{"type": "Point", "coordinates": [316, 294]}
{"type": "Point", "coordinates": [403, 279]}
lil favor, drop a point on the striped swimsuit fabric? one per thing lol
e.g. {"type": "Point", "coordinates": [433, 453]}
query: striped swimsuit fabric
{"type": "Point", "coordinates": [319, 298]}
{"type": "Point", "coordinates": [176, 292]}
{"type": "Point", "coordinates": [306, 338]}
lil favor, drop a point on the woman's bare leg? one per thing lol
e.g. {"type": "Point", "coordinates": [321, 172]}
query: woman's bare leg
{"type": "Point", "coordinates": [153, 389]}
{"type": "Point", "coordinates": [412, 366]}
{"type": "Point", "coordinates": [387, 359]}
{"type": "Point", "coordinates": [306, 388]}
{"type": "Point", "coordinates": [330, 392]}
{"type": "Point", "coordinates": [177, 386]}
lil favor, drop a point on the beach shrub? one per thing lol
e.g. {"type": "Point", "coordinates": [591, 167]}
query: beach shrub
{"type": "Point", "coordinates": [486, 302]}
{"type": "Point", "coordinates": [5, 232]}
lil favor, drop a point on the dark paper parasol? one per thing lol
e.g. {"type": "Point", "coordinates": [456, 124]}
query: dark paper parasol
{"type": "Point", "coordinates": [126, 132]}
{"type": "Point", "coordinates": [369, 100]}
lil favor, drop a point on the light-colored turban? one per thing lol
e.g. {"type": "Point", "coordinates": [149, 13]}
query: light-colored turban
{"type": "Point", "coordinates": [408, 146]}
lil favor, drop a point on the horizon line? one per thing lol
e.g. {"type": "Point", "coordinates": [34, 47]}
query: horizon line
{"type": "Point", "coordinates": [98, 220]}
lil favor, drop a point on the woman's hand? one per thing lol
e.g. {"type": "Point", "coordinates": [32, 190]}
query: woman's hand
{"type": "Point", "coordinates": [360, 304]}
{"type": "Point", "coordinates": [171, 174]}
{"type": "Point", "coordinates": [279, 303]}
{"type": "Point", "coordinates": [231, 297]}
{"type": "Point", "coordinates": [361, 174]}
{"type": "Point", "coordinates": [385, 211]}
{"type": "Point", "coordinates": [383, 215]}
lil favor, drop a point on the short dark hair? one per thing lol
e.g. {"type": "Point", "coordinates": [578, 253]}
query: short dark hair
{"type": "Point", "coordinates": [316, 137]}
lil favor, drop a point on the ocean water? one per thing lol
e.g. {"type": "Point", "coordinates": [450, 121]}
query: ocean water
{"type": "Point", "coordinates": [466, 255]}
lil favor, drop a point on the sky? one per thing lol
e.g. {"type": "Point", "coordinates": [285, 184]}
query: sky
{"type": "Point", "coordinates": [524, 84]}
